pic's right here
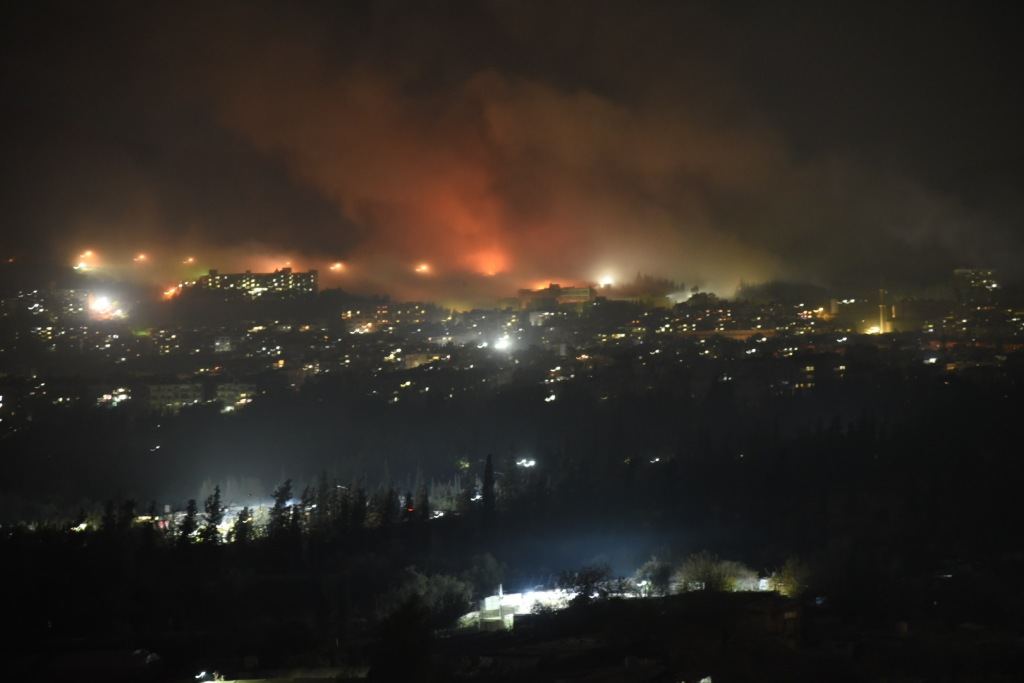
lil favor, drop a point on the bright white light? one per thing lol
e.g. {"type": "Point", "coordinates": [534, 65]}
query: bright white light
{"type": "Point", "coordinates": [104, 308]}
{"type": "Point", "coordinates": [526, 462]}
{"type": "Point", "coordinates": [606, 281]}
{"type": "Point", "coordinates": [101, 304]}
{"type": "Point", "coordinates": [503, 344]}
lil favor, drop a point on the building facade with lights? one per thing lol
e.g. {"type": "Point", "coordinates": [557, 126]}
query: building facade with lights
{"type": "Point", "coordinates": [975, 288]}
{"type": "Point", "coordinates": [555, 295]}
{"type": "Point", "coordinates": [283, 282]}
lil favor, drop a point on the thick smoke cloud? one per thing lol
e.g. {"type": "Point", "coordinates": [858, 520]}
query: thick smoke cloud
{"type": "Point", "coordinates": [504, 144]}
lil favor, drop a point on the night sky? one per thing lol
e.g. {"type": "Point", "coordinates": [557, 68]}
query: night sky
{"type": "Point", "coordinates": [509, 144]}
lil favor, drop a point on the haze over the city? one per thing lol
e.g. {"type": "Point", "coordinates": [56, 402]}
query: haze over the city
{"type": "Point", "coordinates": [511, 340]}
{"type": "Point", "coordinates": [459, 150]}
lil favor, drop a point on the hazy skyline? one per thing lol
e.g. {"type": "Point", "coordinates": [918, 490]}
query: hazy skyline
{"type": "Point", "coordinates": [508, 144]}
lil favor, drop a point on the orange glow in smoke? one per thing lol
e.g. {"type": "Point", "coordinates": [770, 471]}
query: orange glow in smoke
{"type": "Point", "coordinates": [189, 261]}
{"type": "Point", "coordinates": [86, 260]}
{"type": "Point", "coordinates": [423, 268]}
{"type": "Point", "coordinates": [336, 267]}
{"type": "Point", "coordinates": [489, 262]}
{"type": "Point", "coordinates": [262, 263]}
{"type": "Point", "coordinates": [141, 258]}
{"type": "Point", "coordinates": [172, 292]}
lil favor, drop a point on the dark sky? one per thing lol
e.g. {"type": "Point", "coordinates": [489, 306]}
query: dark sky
{"type": "Point", "coordinates": [511, 143]}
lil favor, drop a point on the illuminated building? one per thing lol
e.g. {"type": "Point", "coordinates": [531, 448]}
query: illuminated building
{"type": "Point", "coordinates": [555, 294]}
{"type": "Point", "coordinates": [170, 398]}
{"type": "Point", "coordinates": [975, 288]}
{"type": "Point", "coordinates": [283, 282]}
{"type": "Point", "coordinates": [415, 360]}
{"type": "Point", "coordinates": [234, 395]}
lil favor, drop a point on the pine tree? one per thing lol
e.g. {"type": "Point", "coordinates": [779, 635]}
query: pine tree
{"type": "Point", "coordinates": [214, 516]}
{"type": "Point", "coordinates": [358, 509]}
{"type": "Point", "coordinates": [422, 502]}
{"type": "Point", "coordinates": [408, 507]}
{"type": "Point", "coordinates": [108, 524]}
{"type": "Point", "coordinates": [189, 523]}
{"type": "Point", "coordinates": [280, 514]}
{"type": "Point", "coordinates": [487, 494]}
{"type": "Point", "coordinates": [149, 529]}
{"type": "Point", "coordinates": [341, 510]}
{"type": "Point", "coordinates": [303, 517]}
{"type": "Point", "coordinates": [322, 506]}
{"type": "Point", "coordinates": [241, 530]}
{"type": "Point", "coordinates": [384, 507]}
{"type": "Point", "coordinates": [125, 517]}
